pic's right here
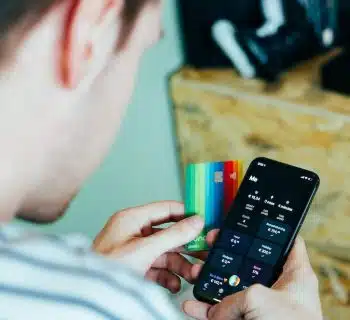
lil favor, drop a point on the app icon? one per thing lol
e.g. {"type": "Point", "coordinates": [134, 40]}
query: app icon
{"type": "Point", "coordinates": [235, 242]}
{"type": "Point", "coordinates": [256, 272]}
{"type": "Point", "coordinates": [234, 281]}
{"type": "Point", "coordinates": [226, 262]}
{"type": "Point", "coordinates": [264, 251]}
{"type": "Point", "coordinates": [274, 231]}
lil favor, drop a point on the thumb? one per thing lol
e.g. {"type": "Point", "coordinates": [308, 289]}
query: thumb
{"type": "Point", "coordinates": [298, 258]}
{"type": "Point", "coordinates": [177, 235]}
{"type": "Point", "coordinates": [237, 306]}
{"type": "Point", "coordinates": [297, 269]}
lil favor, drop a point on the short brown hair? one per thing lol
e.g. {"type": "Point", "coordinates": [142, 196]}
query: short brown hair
{"type": "Point", "coordinates": [12, 12]}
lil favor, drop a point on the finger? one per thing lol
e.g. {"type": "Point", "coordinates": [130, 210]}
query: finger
{"type": "Point", "coordinates": [131, 222]}
{"type": "Point", "coordinates": [196, 310]}
{"type": "Point", "coordinates": [298, 258]}
{"type": "Point", "coordinates": [175, 263]}
{"type": "Point", "coordinates": [298, 272]}
{"type": "Point", "coordinates": [211, 237]}
{"type": "Point", "coordinates": [175, 236]}
{"type": "Point", "coordinates": [196, 269]}
{"type": "Point", "coordinates": [200, 255]}
{"type": "Point", "coordinates": [155, 213]}
{"type": "Point", "coordinates": [165, 278]}
{"type": "Point", "coordinates": [240, 304]}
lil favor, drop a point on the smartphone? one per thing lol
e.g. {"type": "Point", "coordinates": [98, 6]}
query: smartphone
{"type": "Point", "coordinates": [259, 230]}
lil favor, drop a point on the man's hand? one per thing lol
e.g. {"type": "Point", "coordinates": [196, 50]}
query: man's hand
{"type": "Point", "coordinates": [294, 296]}
{"type": "Point", "coordinates": [132, 237]}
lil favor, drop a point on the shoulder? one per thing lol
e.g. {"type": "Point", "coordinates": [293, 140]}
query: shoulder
{"type": "Point", "coordinates": [48, 273]}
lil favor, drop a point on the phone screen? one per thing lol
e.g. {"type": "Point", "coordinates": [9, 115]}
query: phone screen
{"type": "Point", "coordinates": [259, 230]}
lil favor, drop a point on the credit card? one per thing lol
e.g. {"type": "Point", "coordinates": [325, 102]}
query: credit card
{"type": "Point", "coordinates": [210, 191]}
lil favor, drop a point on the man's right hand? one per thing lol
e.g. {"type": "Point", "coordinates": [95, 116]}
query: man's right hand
{"type": "Point", "coordinates": [134, 238]}
{"type": "Point", "coordinates": [294, 296]}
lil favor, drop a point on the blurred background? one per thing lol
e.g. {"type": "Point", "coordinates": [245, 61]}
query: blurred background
{"type": "Point", "coordinates": [245, 78]}
{"type": "Point", "coordinates": [272, 78]}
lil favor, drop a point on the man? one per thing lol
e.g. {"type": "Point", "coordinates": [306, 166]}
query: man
{"type": "Point", "coordinates": [67, 72]}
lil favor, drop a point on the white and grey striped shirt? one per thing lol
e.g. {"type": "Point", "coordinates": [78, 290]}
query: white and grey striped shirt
{"type": "Point", "coordinates": [56, 277]}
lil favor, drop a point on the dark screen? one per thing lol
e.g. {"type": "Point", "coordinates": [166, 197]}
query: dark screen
{"type": "Point", "coordinates": [259, 229]}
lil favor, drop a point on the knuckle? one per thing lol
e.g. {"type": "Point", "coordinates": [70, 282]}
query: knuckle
{"type": "Point", "coordinates": [253, 293]}
{"type": "Point", "coordinates": [116, 218]}
{"type": "Point", "coordinates": [312, 278]}
{"type": "Point", "coordinates": [301, 240]}
{"type": "Point", "coordinates": [119, 218]}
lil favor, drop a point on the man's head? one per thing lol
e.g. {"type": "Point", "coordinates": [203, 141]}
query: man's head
{"type": "Point", "coordinates": [67, 70]}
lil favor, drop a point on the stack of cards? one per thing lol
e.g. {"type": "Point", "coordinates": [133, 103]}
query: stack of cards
{"type": "Point", "coordinates": [210, 190]}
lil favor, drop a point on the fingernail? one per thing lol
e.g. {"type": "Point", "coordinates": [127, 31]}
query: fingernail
{"type": "Point", "coordinates": [196, 221]}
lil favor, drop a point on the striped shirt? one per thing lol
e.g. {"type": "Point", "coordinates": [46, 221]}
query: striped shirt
{"type": "Point", "coordinates": [59, 277]}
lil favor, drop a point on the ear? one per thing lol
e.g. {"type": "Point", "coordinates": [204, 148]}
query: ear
{"type": "Point", "coordinates": [85, 23]}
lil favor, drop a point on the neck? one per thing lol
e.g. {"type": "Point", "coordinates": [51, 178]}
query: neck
{"type": "Point", "coordinates": [15, 162]}
{"type": "Point", "coordinates": [12, 188]}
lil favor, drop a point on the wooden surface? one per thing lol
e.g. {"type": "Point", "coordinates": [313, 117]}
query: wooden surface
{"type": "Point", "coordinates": [219, 117]}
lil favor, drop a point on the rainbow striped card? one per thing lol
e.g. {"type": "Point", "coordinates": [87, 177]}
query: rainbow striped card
{"type": "Point", "coordinates": [210, 190]}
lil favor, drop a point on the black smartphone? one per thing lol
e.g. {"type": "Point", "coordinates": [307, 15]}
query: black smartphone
{"type": "Point", "coordinates": [259, 230]}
